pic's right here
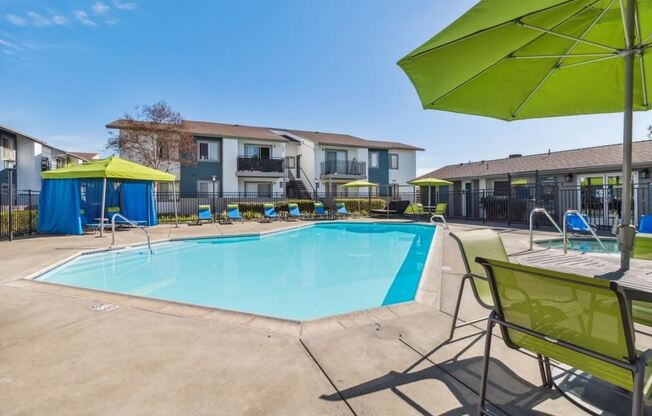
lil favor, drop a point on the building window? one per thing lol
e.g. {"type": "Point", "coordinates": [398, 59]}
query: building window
{"type": "Point", "coordinates": [205, 187]}
{"type": "Point", "coordinates": [258, 189]}
{"type": "Point", "coordinates": [207, 151]}
{"type": "Point", "coordinates": [393, 160]}
{"type": "Point", "coordinates": [255, 151]}
{"type": "Point", "coordinates": [290, 162]}
{"type": "Point", "coordinates": [373, 159]}
{"type": "Point", "coordinates": [501, 188]}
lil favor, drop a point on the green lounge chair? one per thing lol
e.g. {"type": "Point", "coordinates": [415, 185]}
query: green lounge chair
{"type": "Point", "coordinates": [415, 209]}
{"type": "Point", "coordinates": [293, 212]}
{"type": "Point", "coordinates": [269, 212]}
{"type": "Point", "coordinates": [440, 211]}
{"type": "Point", "coordinates": [340, 210]}
{"type": "Point", "coordinates": [485, 243]}
{"type": "Point", "coordinates": [320, 211]}
{"type": "Point", "coordinates": [233, 213]}
{"type": "Point", "coordinates": [204, 214]}
{"type": "Point", "coordinates": [642, 246]}
{"type": "Point", "coordinates": [582, 322]}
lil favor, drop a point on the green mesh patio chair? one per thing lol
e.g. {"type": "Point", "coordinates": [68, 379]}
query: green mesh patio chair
{"type": "Point", "coordinates": [582, 322]}
{"type": "Point", "coordinates": [440, 211]}
{"type": "Point", "coordinates": [474, 243]}
{"type": "Point", "coordinates": [642, 246]}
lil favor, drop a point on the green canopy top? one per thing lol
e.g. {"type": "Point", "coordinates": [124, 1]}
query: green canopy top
{"type": "Point", "coordinates": [516, 59]}
{"type": "Point", "coordinates": [359, 184]}
{"type": "Point", "coordinates": [111, 168]}
{"type": "Point", "coordinates": [429, 182]}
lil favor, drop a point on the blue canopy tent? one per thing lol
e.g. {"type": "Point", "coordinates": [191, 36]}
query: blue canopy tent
{"type": "Point", "coordinates": [74, 196]}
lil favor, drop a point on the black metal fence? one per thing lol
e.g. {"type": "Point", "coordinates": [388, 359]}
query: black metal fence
{"type": "Point", "coordinates": [513, 206]}
{"type": "Point", "coordinates": [506, 206]}
{"type": "Point", "coordinates": [17, 218]}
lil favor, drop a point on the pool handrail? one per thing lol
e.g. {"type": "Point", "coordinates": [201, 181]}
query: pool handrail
{"type": "Point", "coordinates": [588, 227]}
{"type": "Point", "coordinates": [547, 214]}
{"type": "Point", "coordinates": [149, 242]}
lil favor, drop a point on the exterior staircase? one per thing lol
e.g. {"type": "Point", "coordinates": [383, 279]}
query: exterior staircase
{"type": "Point", "coordinates": [295, 188]}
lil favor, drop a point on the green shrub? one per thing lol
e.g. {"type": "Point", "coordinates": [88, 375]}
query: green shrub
{"type": "Point", "coordinates": [351, 204]}
{"type": "Point", "coordinates": [21, 221]}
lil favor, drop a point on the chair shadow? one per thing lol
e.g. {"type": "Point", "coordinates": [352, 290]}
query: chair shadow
{"type": "Point", "coordinates": [505, 389]}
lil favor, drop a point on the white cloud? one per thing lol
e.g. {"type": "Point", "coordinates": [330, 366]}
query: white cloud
{"type": "Point", "coordinates": [82, 16]}
{"type": "Point", "coordinates": [100, 8]}
{"type": "Point", "coordinates": [124, 6]}
{"type": "Point", "coordinates": [57, 19]}
{"type": "Point", "coordinates": [112, 21]}
{"type": "Point", "coordinates": [9, 45]}
{"type": "Point", "coordinates": [38, 20]}
{"type": "Point", "coordinates": [17, 20]}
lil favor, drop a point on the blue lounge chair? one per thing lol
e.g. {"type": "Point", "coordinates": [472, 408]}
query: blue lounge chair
{"type": "Point", "coordinates": [269, 213]}
{"type": "Point", "coordinates": [645, 224]}
{"type": "Point", "coordinates": [204, 213]}
{"type": "Point", "coordinates": [293, 211]}
{"type": "Point", "coordinates": [233, 213]}
{"type": "Point", "coordinates": [341, 209]}
{"type": "Point", "coordinates": [575, 224]}
{"type": "Point", "coordinates": [320, 211]}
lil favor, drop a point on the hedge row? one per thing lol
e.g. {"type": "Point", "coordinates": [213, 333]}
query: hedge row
{"type": "Point", "coordinates": [20, 220]}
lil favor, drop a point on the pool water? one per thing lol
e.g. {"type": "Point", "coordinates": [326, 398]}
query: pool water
{"type": "Point", "coordinates": [306, 273]}
{"type": "Point", "coordinates": [584, 245]}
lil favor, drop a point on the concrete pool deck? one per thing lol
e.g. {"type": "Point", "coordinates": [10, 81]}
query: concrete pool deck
{"type": "Point", "coordinates": [60, 354]}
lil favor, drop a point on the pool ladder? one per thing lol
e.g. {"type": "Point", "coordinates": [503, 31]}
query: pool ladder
{"type": "Point", "coordinates": [588, 227]}
{"type": "Point", "coordinates": [547, 214]}
{"type": "Point", "coordinates": [149, 242]}
{"type": "Point", "coordinates": [563, 233]}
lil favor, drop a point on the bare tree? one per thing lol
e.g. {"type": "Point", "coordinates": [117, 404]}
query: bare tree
{"type": "Point", "coordinates": [154, 137]}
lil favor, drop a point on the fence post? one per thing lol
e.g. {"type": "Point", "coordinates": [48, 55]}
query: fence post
{"type": "Point", "coordinates": [29, 208]}
{"type": "Point", "coordinates": [11, 203]}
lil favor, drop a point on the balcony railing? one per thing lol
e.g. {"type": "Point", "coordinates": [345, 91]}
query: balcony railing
{"type": "Point", "coordinates": [254, 164]}
{"type": "Point", "coordinates": [343, 167]}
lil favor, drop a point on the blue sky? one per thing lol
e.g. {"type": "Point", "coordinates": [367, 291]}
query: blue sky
{"type": "Point", "coordinates": [69, 67]}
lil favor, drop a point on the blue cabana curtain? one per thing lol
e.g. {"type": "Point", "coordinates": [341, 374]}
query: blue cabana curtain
{"type": "Point", "coordinates": [59, 205]}
{"type": "Point", "coordinates": [138, 201]}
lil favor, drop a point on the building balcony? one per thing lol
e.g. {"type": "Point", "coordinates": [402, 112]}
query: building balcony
{"type": "Point", "coordinates": [254, 166]}
{"type": "Point", "coordinates": [343, 169]}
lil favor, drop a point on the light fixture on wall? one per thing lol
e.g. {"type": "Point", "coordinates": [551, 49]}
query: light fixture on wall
{"type": "Point", "coordinates": [569, 178]}
{"type": "Point", "coordinates": [644, 174]}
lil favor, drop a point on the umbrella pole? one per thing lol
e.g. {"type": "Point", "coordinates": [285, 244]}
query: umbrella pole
{"type": "Point", "coordinates": [102, 209]}
{"type": "Point", "coordinates": [626, 231]}
{"type": "Point", "coordinates": [176, 212]}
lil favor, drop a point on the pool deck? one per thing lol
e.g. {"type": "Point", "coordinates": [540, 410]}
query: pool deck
{"type": "Point", "coordinates": [60, 354]}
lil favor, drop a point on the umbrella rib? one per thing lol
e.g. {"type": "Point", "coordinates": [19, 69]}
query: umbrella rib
{"type": "Point", "coordinates": [557, 64]}
{"type": "Point", "coordinates": [567, 55]}
{"type": "Point", "coordinates": [493, 27]}
{"type": "Point", "coordinates": [561, 35]}
{"type": "Point", "coordinates": [590, 61]}
{"type": "Point", "coordinates": [499, 61]}
{"type": "Point", "coordinates": [640, 57]}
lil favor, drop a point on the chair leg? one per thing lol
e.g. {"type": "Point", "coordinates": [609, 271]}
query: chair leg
{"type": "Point", "coordinates": [637, 393]}
{"type": "Point", "coordinates": [546, 361]}
{"type": "Point", "coordinates": [485, 364]}
{"type": "Point", "coordinates": [542, 371]}
{"type": "Point", "coordinates": [457, 307]}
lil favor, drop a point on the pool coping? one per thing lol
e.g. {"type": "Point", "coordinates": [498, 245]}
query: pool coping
{"type": "Point", "coordinates": [426, 297]}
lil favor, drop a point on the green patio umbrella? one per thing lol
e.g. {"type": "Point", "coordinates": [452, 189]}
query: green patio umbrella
{"type": "Point", "coordinates": [429, 182]}
{"type": "Point", "coordinates": [361, 184]}
{"type": "Point", "coordinates": [515, 59]}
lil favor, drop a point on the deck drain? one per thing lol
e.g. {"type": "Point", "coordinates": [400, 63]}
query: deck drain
{"type": "Point", "coordinates": [103, 307]}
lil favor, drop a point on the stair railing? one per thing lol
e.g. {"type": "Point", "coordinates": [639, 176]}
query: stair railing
{"type": "Point", "coordinates": [314, 191]}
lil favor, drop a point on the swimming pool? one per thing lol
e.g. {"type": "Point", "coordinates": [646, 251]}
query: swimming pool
{"type": "Point", "coordinates": [583, 245]}
{"type": "Point", "coordinates": [305, 273]}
